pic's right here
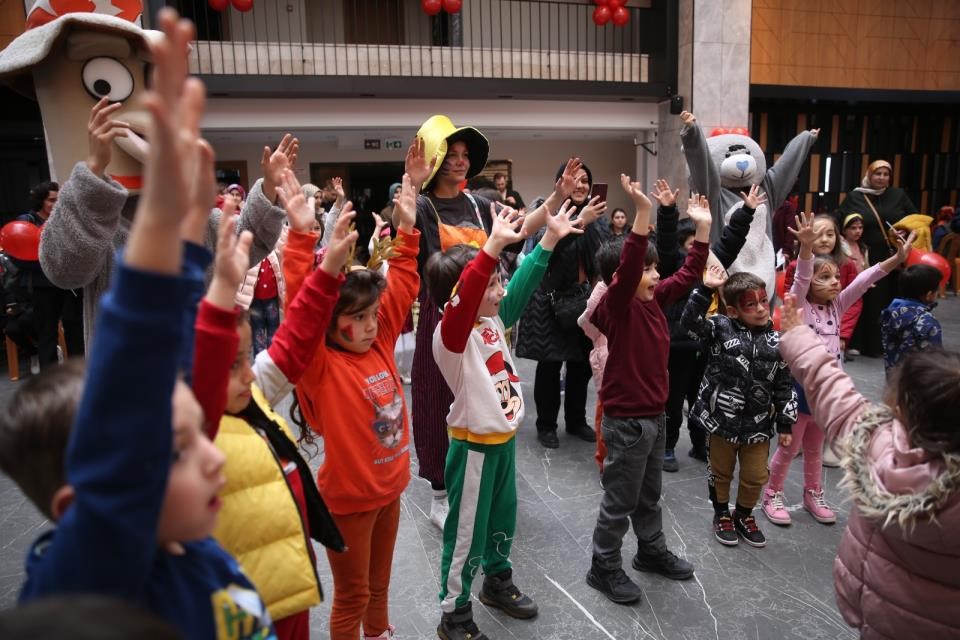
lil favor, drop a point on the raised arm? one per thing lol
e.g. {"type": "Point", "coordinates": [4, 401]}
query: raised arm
{"type": "Point", "coordinates": [668, 245]}
{"type": "Point", "coordinates": [677, 285]}
{"type": "Point", "coordinates": [783, 174]}
{"type": "Point", "coordinates": [694, 321]}
{"type": "Point", "coordinates": [561, 191]}
{"type": "Point", "coordinates": [806, 235]}
{"type": "Point", "coordinates": [403, 279]}
{"type": "Point", "coordinates": [704, 175]}
{"type": "Point", "coordinates": [632, 258]}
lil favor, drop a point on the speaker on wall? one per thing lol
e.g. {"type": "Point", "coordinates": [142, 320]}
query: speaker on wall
{"type": "Point", "coordinates": [676, 105]}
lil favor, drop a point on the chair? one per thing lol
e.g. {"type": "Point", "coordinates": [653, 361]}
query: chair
{"type": "Point", "coordinates": [13, 354]}
{"type": "Point", "coordinates": [950, 249]}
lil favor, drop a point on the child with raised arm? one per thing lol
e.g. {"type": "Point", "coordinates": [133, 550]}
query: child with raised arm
{"type": "Point", "coordinates": [818, 290]}
{"type": "Point", "coordinates": [135, 517]}
{"type": "Point", "coordinates": [898, 564]}
{"type": "Point", "coordinates": [351, 394]}
{"type": "Point", "coordinates": [634, 395]}
{"type": "Point", "coordinates": [746, 396]}
{"type": "Point", "coordinates": [471, 351]}
{"type": "Point", "coordinates": [268, 481]}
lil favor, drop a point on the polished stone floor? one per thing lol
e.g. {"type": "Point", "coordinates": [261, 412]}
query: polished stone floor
{"type": "Point", "coordinates": [782, 591]}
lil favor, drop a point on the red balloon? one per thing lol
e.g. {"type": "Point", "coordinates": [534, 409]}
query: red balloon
{"type": "Point", "coordinates": [719, 131]}
{"type": "Point", "coordinates": [602, 3]}
{"type": "Point", "coordinates": [620, 16]}
{"type": "Point", "coordinates": [431, 7]}
{"type": "Point", "coordinates": [452, 6]}
{"type": "Point", "coordinates": [613, 4]}
{"type": "Point", "coordinates": [21, 240]}
{"type": "Point", "coordinates": [781, 284]}
{"type": "Point", "coordinates": [601, 15]}
{"type": "Point", "coordinates": [218, 5]}
{"type": "Point", "coordinates": [242, 5]}
{"type": "Point", "coordinates": [937, 261]}
{"type": "Point", "coordinates": [914, 256]}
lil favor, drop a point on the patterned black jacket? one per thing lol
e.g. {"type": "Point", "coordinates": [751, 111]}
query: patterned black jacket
{"type": "Point", "coordinates": [747, 392]}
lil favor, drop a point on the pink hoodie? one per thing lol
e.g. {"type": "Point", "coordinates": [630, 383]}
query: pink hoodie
{"type": "Point", "coordinates": [897, 572]}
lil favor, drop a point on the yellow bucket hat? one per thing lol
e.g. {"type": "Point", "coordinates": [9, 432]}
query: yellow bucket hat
{"type": "Point", "coordinates": [438, 133]}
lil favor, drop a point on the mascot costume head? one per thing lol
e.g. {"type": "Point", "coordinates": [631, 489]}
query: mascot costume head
{"type": "Point", "coordinates": [722, 166]}
{"type": "Point", "coordinates": [72, 54]}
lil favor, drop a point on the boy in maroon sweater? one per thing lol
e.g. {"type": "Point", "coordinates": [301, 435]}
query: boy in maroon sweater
{"type": "Point", "coordinates": [634, 396]}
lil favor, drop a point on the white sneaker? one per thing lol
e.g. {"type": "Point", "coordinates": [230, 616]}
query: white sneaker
{"type": "Point", "coordinates": [34, 365]}
{"type": "Point", "coordinates": [439, 509]}
{"type": "Point", "coordinates": [830, 459]}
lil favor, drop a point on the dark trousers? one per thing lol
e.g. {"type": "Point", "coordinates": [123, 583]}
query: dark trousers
{"type": "Point", "coordinates": [52, 306]}
{"type": "Point", "coordinates": [686, 371]}
{"type": "Point", "coordinates": [546, 394]}
{"type": "Point", "coordinates": [632, 478]}
{"type": "Point", "coordinates": [866, 337]}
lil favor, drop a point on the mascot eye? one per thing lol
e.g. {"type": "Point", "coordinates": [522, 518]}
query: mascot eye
{"type": "Point", "coordinates": [107, 78]}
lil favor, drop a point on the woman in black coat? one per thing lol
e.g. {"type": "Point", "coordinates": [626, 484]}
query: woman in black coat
{"type": "Point", "coordinates": [881, 206]}
{"type": "Point", "coordinates": [541, 338]}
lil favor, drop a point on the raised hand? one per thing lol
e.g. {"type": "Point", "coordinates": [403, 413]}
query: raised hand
{"type": "Point", "coordinates": [405, 205]}
{"type": "Point", "coordinates": [635, 191]}
{"type": "Point", "coordinates": [337, 183]}
{"type": "Point", "coordinates": [715, 277]}
{"type": "Point", "coordinates": [791, 316]}
{"type": "Point", "coordinates": [815, 132]}
{"type": "Point", "coordinates": [687, 118]}
{"type": "Point", "coordinates": [341, 243]}
{"type": "Point", "coordinates": [567, 182]}
{"type": "Point", "coordinates": [753, 198]}
{"type": "Point", "coordinates": [416, 165]}
{"type": "Point", "coordinates": [592, 211]}
{"type": "Point", "coordinates": [274, 163]}
{"type": "Point", "coordinates": [804, 232]}
{"type": "Point", "coordinates": [233, 254]}
{"type": "Point", "coordinates": [663, 194]}
{"type": "Point", "coordinates": [903, 250]}
{"type": "Point", "coordinates": [300, 209]}
{"type": "Point", "coordinates": [698, 209]}
{"type": "Point", "coordinates": [203, 191]}
{"type": "Point", "coordinates": [506, 229]}
{"type": "Point", "coordinates": [560, 226]}
{"type": "Point", "coordinates": [101, 132]}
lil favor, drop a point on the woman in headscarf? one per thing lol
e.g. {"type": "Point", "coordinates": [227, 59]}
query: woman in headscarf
{"type": "Point", "coordinates": [881, 206]}
{"type": "Point", "coordinates": [542, 338]}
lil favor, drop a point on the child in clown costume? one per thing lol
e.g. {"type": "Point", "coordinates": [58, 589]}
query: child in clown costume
{"type": "Point", "coordinates": [480, 473]}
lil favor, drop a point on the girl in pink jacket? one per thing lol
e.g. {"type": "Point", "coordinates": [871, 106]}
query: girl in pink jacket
{"type": "Point", "coordinates": [897, 572]}
{"type": "Point", "coordinates": [823, 301]}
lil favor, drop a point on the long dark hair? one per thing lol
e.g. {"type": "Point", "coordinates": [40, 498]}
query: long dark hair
{"type": "Point", "coordinates": [925, 387]}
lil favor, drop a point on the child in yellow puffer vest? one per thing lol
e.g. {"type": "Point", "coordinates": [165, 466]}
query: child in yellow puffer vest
{"type": "Point", "coordinates": [271, 505]}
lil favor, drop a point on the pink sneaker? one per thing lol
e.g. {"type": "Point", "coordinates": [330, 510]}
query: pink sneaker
{"type": "Point", "coordinates": [774, 508]}
{"type": "Point", "coordinates": [814, 502]}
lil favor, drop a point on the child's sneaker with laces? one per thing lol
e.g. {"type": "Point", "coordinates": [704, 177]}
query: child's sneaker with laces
{"type": "Point", "coordinates": [774, 507]}
{"type": "Point", "coordinates": [814, 502]}
{"type": "Point", "coordinates": [747, 529]}
{"type": "Point", "coordinates": [723, 529]}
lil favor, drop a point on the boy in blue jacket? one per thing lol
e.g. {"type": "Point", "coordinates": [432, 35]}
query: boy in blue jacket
{"type": "Point", "coordinates": [135, 515]}
{"type": "Point", "coordinates": [907, 324]}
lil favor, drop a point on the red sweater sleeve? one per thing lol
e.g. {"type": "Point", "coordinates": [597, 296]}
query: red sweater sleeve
{"type": "Point", "coordinates": [215, 348]}
{"type": "Point", "coordinates": [403, 284]}
{"type": "Point", "coordinates": [298, 261]}
{"type": "Point", "coordinates": [460, 313]}
{"type": "Point", "coordinates": [848, 322]}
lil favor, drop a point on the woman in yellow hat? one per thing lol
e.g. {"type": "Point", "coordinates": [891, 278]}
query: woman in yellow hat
{"type": "Point", "coordinates": [881, 207]}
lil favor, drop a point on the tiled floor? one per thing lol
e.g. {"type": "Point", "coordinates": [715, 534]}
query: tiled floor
{"type": "Point", "coordinates": [782, 591]}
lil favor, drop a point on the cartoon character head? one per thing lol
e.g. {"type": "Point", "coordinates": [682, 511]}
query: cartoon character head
{"type": "Point", "coordinates": [388, 421]}
{"type": "Point", "coordinates": [77, 52]}
{"type": "Point", "coordinates": [739, 158]}
{"type": "Point", "coordinates": [503, 383]}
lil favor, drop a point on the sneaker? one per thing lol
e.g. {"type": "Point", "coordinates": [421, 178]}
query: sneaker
{"type": "Point", "coordinates": [386, 634]}
{"type": "Point", "coordinates": [747, 529]}
{"type": "Point", "coordinates": [34, 365]}
{"type": "Point", "coordinates": [723, 529]}
{"type": "Point", "coordinates": [698, 453]}
{"type": "Point", "coordinates": [406, 379]}
{"type": "Point", "coordinates": [548, 439]}
{"type": "Point", "coordinates": [774, 508]}
{"type": "Point", "coordinates": [670, 461]}
{"type": "Point", "coordinates": [665, 563]}
{"type": "Point", "coordinates": [459, 625]}
{"type": "Point", "coordinates": [499, 592]}
{"type": "Point", "coordinates": [830, 459]}
{"type": "Point", "coordinates": [439, 508]}
{"type": "Point", "coordinates": [814, 502]}
{"type": "Point", "coordinates": [853, 352]}
{"type": "Point", "coordinates": [616, 585]}
{"type": "Point", "coordinates": [583, 432]}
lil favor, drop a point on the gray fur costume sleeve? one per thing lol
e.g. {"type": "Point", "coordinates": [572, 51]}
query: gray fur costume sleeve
{"type": "Point", "coordinates": [88, 226]}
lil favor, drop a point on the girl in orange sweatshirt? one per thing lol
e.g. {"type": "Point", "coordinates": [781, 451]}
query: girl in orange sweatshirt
{"type": "Point", "coordinates": [351, 394]}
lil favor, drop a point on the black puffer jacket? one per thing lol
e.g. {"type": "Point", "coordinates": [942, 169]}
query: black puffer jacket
{"type": "Point", "coordinates": [747, 392]}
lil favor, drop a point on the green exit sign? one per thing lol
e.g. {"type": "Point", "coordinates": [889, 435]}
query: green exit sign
{"type": "Point", "coordinates": [393, 144]}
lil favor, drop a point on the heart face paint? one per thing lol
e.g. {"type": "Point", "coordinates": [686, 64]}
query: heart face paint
{"type": "Point", "coordinates": [356, 331]}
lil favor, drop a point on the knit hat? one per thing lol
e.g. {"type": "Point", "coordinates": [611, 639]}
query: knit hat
{"type": "Point", "coordinates": [438, 133]}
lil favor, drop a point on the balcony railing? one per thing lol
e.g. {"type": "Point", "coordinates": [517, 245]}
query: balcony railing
{"type": "Point", "coordinates": [504, 39]}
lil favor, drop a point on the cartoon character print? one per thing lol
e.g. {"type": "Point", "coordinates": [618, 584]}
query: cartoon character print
{"type": "Point", "coordinates": [388, 421]}
{"type": "Point", "coordinates": [503, 378]}
{"type": "Point", "coordinates": [239, 614]}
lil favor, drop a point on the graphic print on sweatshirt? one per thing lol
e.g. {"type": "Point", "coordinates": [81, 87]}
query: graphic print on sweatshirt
{"type": "Point", "coordinates": [502, 375]}
{"type": "Point", "coordinates": [240, 614]}
{"type": "Point", "coordinates": [387, 404]}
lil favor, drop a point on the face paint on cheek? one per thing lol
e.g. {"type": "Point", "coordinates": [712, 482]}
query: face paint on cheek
{"type": "Point", "coordinates": [346, 332]}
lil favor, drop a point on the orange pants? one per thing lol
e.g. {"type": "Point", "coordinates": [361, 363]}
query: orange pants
{"type": "Point", "coordinates": [361, 574]}
{"type": "Point", "coordinates": [601, 445]}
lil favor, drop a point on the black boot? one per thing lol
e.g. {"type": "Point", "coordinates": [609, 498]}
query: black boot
{"type": "Point", "coordinates": [499, 591]}
{"type": "Point", "coordinates": [459, 625]}
{"type": "Point", "coordinates": [582, 431]}
{"type": "Point", "coordinates": [665, 563]}
{"type": "Point", "coordinates": [548, 438]}
{"type": "Point", "coordinates": [615, 584]}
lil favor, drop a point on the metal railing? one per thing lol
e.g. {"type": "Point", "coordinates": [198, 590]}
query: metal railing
{"type": "Point", "coordinates": [510, 39]}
